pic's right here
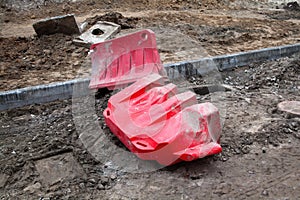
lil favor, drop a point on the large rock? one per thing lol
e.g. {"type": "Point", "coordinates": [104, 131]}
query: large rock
{"type": "Point", "coordinates": [65, 24]}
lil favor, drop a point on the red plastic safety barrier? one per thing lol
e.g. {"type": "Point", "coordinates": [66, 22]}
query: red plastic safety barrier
{"type": "Point", "coordinates": [156, 123]}
{"type": "Point", "coordinates": [124, 60]}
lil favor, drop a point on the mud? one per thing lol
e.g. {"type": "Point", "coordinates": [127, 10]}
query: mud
{"type": "Point", "coordinates": [42, 155]}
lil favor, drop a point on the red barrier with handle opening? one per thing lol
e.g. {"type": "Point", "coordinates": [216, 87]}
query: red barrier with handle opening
{"type": "Point", "coordinates": [123, 60]}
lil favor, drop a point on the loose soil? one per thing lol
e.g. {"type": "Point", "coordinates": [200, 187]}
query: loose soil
{"type": "Point", "coordinates": [185, 30]}
{"type": "Point", "coordinates": [43, 150]}
{"type": "Point", "coordinates": [43, 154]}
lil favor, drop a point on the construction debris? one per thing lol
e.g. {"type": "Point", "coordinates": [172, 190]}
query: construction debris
{"type": "Point", "coordinates": [65, 24]}
{"type": "Point", "coordinates": [100, 32]}
{"type": "Point", "coordinates": [156, 123]}
{"type": "Point", "coordinates": [124, 60]}
{"type": "Point", "coordinates": [150, 118]}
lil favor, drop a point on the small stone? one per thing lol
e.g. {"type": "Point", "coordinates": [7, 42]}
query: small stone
{"type": "Point", "coordinates": [69, 43]}
{"type": "Point", "coordinates": [45, 198]}
{"type": "Point", "coordinates": [47, 51]}
{"type": "Point", "coordinates": [35, 137]}
{"type": "Point", "coordinates": [105, 180]}
{"type": "Point", "coordinates": [32, 16]}
{"type": "Point", "coordinates": [76, 63]}
{"type": "Point", "coordinates": [90, 185]}
{"type": "Point", "coordinates": [245, 149]}
{"type": "Point", "coordinates": [81, 185]}
{"type": "Point", "coordinates": [294, 125]}
{"type": "Point", "coordinates": [75, 54]}
{"type": "Point", "coordinates": [237, 151]}
{"type": "Point", "coordinates": [40, 61]}
{"type": "Point", "coordinates": [113, 176]}
{"type": "Point", "coordinates": [33, 188]}
{"type": "Point", "coordinates": [100, 186]}
{"type": "Point", "coordinates": [264, 149]}
{"type": "Point", "coordinates": [265, 193]}
{"type": "Point", "coordinates": [248, 100]}
{"type": "Point", "coordinates": [297, 135]}
{"type": "Point", "coordinates": [92, 181]}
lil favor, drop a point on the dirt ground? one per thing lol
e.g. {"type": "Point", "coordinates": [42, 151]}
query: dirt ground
{"type": "Point", "coordinates": [185, 30]}
{"type": "Point", "coordinates": [43, 153]}
{"type": "Point", "coordinates": [43, 148]}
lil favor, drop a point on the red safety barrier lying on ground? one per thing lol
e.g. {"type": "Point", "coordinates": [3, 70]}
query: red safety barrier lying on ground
{"type": "Point", "coordinates": [124, 60]}
{"type": "Point", "coordinates": [156, 123]}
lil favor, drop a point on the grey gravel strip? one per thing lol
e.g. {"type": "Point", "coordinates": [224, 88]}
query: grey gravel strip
{"type": "Point", "coordinates": [64, 90]}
